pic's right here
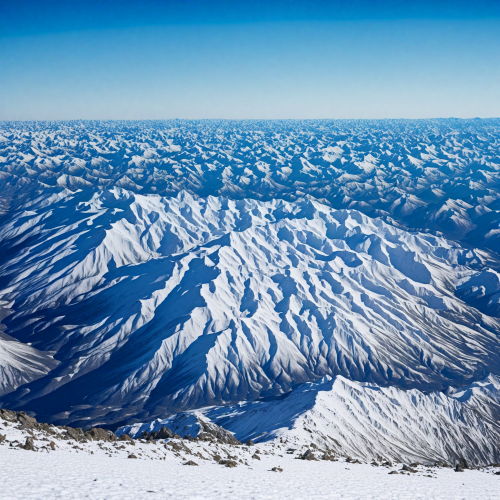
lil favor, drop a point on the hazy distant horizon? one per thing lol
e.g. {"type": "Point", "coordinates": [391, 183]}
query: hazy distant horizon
{"type": "Point", "coordinates": [281, 59]}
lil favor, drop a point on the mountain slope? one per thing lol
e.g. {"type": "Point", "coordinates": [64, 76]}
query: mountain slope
{"type": "Point", "coordinates": [20, 364]}
{"type": "Point", "coordinates": [163, 304]}
{"type": "Point", "coordinates": [358, 419]}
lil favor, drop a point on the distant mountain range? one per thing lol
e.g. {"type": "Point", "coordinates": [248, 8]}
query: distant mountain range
{"type": "Point", "coordinates": [426, 175]}
{"type": "Point", "coordinates": [150, 268]}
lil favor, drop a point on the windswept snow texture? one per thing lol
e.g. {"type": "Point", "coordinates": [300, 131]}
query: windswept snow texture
{"type": "Point", "coordinates": [356, 419]}
{"type": "Point", "coordinates": [427, 175]}
{"type": "Point", "coordinates": [156, 304]}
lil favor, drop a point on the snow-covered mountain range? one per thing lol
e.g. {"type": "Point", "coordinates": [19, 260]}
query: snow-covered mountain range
{"type": "Point", "coordinates": [153, 268]}
{"type": "Point", "coordinates": [427, 175]}
{"type": "Point", "coordinates": [355, 419]}
{"type": "Point", "coordinates": [156, 304]}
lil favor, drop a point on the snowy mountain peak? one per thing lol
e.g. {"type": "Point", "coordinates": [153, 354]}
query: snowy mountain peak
{"type": "Point", "coordinates": [157, 304]}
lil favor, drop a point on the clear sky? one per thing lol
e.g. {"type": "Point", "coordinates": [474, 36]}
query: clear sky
{"type": "Point", "coordinates": [117, 59]}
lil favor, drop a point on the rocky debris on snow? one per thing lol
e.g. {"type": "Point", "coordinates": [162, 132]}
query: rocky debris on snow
{"type": "Point", "coordinates": [328, 456]}
{"type": "Point", "coordinates": [461, 465]}
{"type": "Point", "coordinates": [26, 421]}
{"type": "Point", "coordinates": [10, 416]}
{"type": "Point", "coordinates": [228, 463]}
{"type": "Point", "coordinates": [406, 468]}
{"type": "Point", "coordinates": [190, 462]}
{"type": "Point", "coordinates": [277, 469]}
{"type": "Point", "coordinates": [188, 425]}
{"type": "Point", "coordinates": [125, 437]}
{"type": "Point", "coordinates": [308, 455]}
{"type": "Point", "coordinates": [441, 464]}
{"type": "Point", "coordinates": [255, 456]}
{"type": "Point", "coordinates": [98, 434]}
{"type": "Point", "coordinates": [29, 445]}
{"type": "Point", "coordinates": [163, 433]}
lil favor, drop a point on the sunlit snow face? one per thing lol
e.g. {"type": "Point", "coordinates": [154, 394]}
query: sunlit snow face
{"type": "Point", "coordinates": [189, 301]}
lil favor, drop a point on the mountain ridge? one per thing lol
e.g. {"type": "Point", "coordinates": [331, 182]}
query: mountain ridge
{"type": "Point", "coordinates": [161, 304]}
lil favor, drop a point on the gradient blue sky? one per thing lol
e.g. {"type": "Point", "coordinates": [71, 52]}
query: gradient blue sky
{"type": "Point", "coordinates": [249, 59]}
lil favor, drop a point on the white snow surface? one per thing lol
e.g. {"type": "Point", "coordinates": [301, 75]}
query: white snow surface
{"type": "Point", "coordinates": [483, 396]}
{"type": "Point", "coordinates": [21, 364]}
{"type": "Point", "coordinates": [102, 471]}
{"type": "Point", "coordinates": [159, 304]}
{"type": "Point", "coordinates": [356, 419]}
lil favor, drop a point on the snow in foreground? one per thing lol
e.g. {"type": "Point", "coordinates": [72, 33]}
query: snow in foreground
{"type": "Point", "coordinates": [47, 462]}
{"type": "Point", "coordinates": [71, 475]}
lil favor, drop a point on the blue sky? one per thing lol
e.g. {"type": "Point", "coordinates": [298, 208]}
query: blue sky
{"type": "Point", "coordinates": [253, 59]}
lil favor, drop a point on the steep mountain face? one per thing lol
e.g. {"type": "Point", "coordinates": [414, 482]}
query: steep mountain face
{"type": "Point", "coordinates": [483, 396]}
{"type": "Point", "coordinates": [357, 419]}
{"type": "Point", "coordinates": [439, 176]}
{"type": "Point", "coordinates": [154, 305]}
{"type": "Point", "coordinates": [20, 364]}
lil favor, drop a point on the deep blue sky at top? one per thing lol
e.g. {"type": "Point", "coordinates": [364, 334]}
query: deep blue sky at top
{"type": "Point", "coordinates": [249, 59]}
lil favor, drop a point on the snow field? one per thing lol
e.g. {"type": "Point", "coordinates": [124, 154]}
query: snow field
{"type": "Point", "coordinates": [67, 475]}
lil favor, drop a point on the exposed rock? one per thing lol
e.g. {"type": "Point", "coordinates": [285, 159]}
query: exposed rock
{"type": "Point", "coordinates": [75, 434]}
{"type": "Point", "coordinates": [463, 463]}
{"type": "Point", "coordinates": [308, 455]}
{"type": "Point", "coordinates": [29, 445]}
{"type": "Point", "coordinates": [8, 415]}
{"type": "Point", "coordinates": [52, 445]}
{"type": "Point", "coordinates": [255, 456]}
{"type": "Point", "coordinates": [132, 456]}
{"type": "Point", "coordinates": [217, 432]}
{"type": "Point", "coordinates": [164, 433]}
{"type": "Point", "coordinates": [98, 434]}
{"type": "Point", "coordinates": [190, 462]}
{"type": "Point", "coordinates": [125, 437]}
{"type": "Point", "coordinates": [277, 469]}
{"type": "Point", "coordinates": [394, 472]}
{"type": "Point", "coordinates": [250, 443]}
{"type": "Point", "coordinates": [442, 464]}
{"type": "Point", "coordinates": [26, 421]}
{"type": "Point", "coordinates": [228, 463]}
{"type": "Point", "coordinates": [408, 469]}
{"type": "Point", "coordinates": [328, 456]}
{"type": "Point", "coordinates": [2, 438]}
